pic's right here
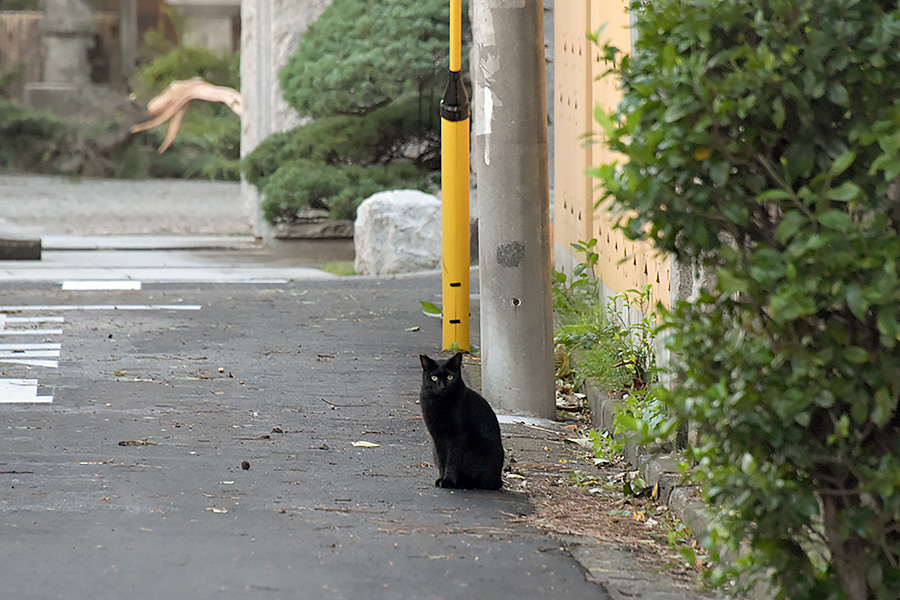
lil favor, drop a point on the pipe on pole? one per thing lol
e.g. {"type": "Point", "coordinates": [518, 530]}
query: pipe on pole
{"type": "Point", "coordinates": [455, 195]}
{"type": "Point", "coordinates": [514, 214]}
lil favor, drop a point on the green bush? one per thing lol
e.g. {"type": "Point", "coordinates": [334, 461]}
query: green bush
{"type": "Point", "coordinates": [339, 189]}
{"type": "Point", "coordinates": [30, 140]}
{"type": "Point", "coordinates": [383, 136]}
{"type": "Point", "coordinates": [762, 141]}
{"type": "Point", "coordinates": [363, 54]}
{"type": "Point", "coordinates": [184, 62]}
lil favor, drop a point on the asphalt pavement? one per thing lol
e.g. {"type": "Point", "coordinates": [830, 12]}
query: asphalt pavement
{"type": "Point", "coordinates": [251, 436]}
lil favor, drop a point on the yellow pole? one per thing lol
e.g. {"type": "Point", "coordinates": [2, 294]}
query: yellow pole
{"type": "Point", "coordinates": [455, 192]}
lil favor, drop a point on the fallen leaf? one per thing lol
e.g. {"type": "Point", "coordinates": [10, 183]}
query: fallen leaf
{"type": "Point", "coordinates": [362, 444]}
{"type": "Point", "coordinates": [141, 442]}
{"type": "Point", "coordinates": [412, 329]}
{"type": "Point", "coordinates": [217, 510]}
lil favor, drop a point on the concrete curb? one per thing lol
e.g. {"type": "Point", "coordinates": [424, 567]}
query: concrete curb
{"type": "Point", "coordinates": [657, 467]}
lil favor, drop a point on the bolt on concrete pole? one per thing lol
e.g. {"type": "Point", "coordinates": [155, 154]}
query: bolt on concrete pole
{"type": "Point", "coordinates": [513, 191]}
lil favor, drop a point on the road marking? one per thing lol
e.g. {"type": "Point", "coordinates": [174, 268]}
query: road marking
{"type": "Point", "coordinates": [36, 355]}
{"type": "Point", "coordinates": [22, 347]}
{"type": "Point", "coordinates": [101, 285]}
{"type": "Point", "coordinates": [21, 391]}
{"type": "Point", "coordinates": [64, 307]}
{"type": "Point", "coordinates": [5, 321]}
{"type": "Point", "coordinates": [42, 319]}
{"type": "Point", "coordinates": [30, 332]}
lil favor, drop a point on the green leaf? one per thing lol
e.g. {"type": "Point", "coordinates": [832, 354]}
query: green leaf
{"type": "Point", "coordinates": [677, 112]}
{"type": "Point", "coordinates": [883, 407]}
{"type": "Point", "coordinates": [838, 94]}
{"type": "Point", "coordinates": [789, 225]}
{"type": "Point", "coordinates": [855, 355]}
{"type": "Point", "coordinates": [836, 219]}
{"type": "Point", "coordinates": [778, 115]}
{"type": "Point", "coordinates": [774, 194]}
{"type": "Point", "coordinates": [842, 163]}
{"type": "Point", "coordinates": [729, 283]}
{"type": "Point", "coordinates": [845, 192]}
{"type": "Point", "coordinates": [799, 159]}
{"type": "Point", "coordinates": [889, 325]}
{"type": "Point", "coordinates": [856, 302]}
{"type": "Point", "coordinates": [431, 310]}
{"type": "Point", "coordinates": [605, 121]}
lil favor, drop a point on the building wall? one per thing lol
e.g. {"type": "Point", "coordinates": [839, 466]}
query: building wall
{"type": "Point", "coordinates": [578, 88]}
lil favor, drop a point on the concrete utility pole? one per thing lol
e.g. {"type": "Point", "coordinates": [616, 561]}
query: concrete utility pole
{"type": "Point", "coordinates": [513, 191]}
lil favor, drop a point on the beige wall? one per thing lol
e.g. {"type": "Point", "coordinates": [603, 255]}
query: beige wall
{"type": "Point", "coordinates": [578, 88]}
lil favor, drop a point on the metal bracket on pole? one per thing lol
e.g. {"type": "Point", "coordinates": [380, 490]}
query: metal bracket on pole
{"type": "Point", "coordinates": [455, 193]}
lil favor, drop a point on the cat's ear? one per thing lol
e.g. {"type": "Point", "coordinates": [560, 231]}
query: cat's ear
{"type": "Point", "coordinates": [455, 362]}
{"type": "Point", "coordinates": [427, 363]}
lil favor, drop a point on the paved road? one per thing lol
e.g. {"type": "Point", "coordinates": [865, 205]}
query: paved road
{"type": "Point", "coordinates": [126, 415]}
{"type": "Point", "coordinates": [285, 377]}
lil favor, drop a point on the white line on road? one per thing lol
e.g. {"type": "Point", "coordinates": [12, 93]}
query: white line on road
{"type": "Point", "coordinates": [100, 285]}
{"type": "Point", "coordinates": [21, 391]}
{"type": "Point", "coordinates": [52, 364]}
{"type": "Point", "coordinates": [30, 332]}
{"type": "Point", "coordinates": [41, 346]}
{"type": "Point", "coordinates": [42, 319]}
{"type": "Point", "coordinates": [34, 355]}
{"type": "Point", "coordinates": [63, 307]}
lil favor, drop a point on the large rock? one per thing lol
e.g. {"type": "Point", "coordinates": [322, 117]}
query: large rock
{"type": "Point", "coordinates": [398, 232]}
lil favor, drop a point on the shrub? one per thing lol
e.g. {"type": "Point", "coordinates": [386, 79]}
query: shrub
{"type": "Point", "coordinates": [339, 189]}
{"type": "Point", "coordinates": [30, 139]}
{"type": "Point", "coordinates": [184, 62]}
{"type": "Point", "coordinates": [363, 54]}
{"type": "Point", "coordinates": [396, 132]}
{"type": "Point", "coordinates": [762, 140]}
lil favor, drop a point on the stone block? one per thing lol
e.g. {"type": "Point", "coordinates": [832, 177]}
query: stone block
{"type": "Point", "coordinates": [398, 231]}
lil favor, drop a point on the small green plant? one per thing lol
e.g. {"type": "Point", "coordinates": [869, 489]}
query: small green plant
{"type": "Point", "coordinates": [634, 339]}
{"type": "Point", "coordinates": [578, 292]}
{"type": "Point", "coordinates": [344, 268]}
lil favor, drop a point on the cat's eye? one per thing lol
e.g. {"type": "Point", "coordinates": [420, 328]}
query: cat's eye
{"type": "Point", "coordinates": [449, 377]}
{"type": "Point", "coordinates": [434, 377]}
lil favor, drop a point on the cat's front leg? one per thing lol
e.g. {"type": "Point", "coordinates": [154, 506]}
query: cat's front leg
{"type": "Point", "coordinates": [449, 476]}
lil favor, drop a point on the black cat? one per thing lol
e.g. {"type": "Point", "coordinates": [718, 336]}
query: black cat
{"type": "Point", "coordinates": [464, 428]}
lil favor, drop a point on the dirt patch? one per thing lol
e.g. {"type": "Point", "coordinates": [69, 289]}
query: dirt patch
{"type": "Point", "coordinates": [573, 496]}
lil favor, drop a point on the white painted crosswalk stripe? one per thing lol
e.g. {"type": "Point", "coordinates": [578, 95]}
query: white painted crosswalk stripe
{"type": "Point", "coordinates": [30, 332]}
{"type": "Point", "coordinates": [87, 307]}
{"type": "Point", "coordinates": [37, 319]}
{"type": "Point", "coordinates": [21, 391]}
{"type": "Point", "coordinates": [22, 347]}
{"type": "Point", "coordinates": [23, 325]}
{"type": "Point", "coordinates": [35, 355]}
{"type": "Point", "coordinates": [27, 354]}
{"type": "Point", "coordinates": [80, 285]}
